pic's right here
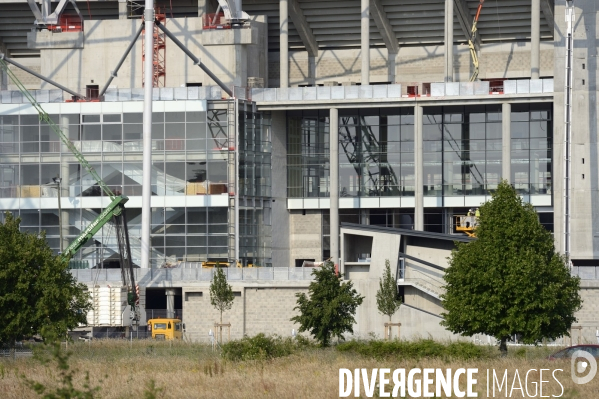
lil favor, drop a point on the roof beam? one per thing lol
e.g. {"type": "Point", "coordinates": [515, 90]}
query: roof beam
{"type": "Point", "coordinates": [303, 29]}
{"type": "Point", "coordinates": [465, 20]}
{"type": "Point", "coordinates": [547, 9]}
{"type": "Point", "coordinates": [384, 26]}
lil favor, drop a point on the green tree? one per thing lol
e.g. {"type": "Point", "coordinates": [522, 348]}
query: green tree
{"type": "Point", "coordinates": [510, 280]}
{"type": "Point", "coordinates": [330, 308]}
{"type": "Point", "coordinates": [386, 297]}
{"type": "Point", "coordinates": [38, 294]}
{"type": "Point", "coordinates": [221, 293]}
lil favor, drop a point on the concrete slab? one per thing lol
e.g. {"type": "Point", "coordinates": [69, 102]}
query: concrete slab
{"type": "Point", "coordinates": [323, 92]}
{"type": "Point", "coordinates": [365, 91]}
{"type": "Point", "coordinates": [523, 86]}
{"type": "Point", "coordinates": [548, 86]}
{"type": "Point", "coordinates": [536, 86]}
{"type": "Point", "coordinates": [452, 89]}
{"type": "Point", "coordinates": [46, 39]}
{"type": "Point", "coordinates": [337, 92]}
{"type": "Point", "coordinates": [481, 88]}
{"type": "Point", "coordinates": [124, 94]}
{"type": "Point", "coordinates": [379, 91]}
{"type": "Point", "coordinates": [510, 87]}
{"type": "Point", "coordinates": [180, 93]}
{"type": "Point", "coordinates": [167, 94]}
{"type": "Point", "coordinates": [394, 91]}
{"type": "Point", "coordinates": [295, 94]}
{"type": "Point", "coordinates": [309, 93]}
{"type": "Point", "coordinates": [437, 89]}
{"type": "Point", "coordinates": [466, 89]}
{"type": "Point", "coordinates": [193, 93]}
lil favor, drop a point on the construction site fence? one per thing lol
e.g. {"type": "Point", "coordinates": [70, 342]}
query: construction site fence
{"type": "Point", "coordinates": [147, 276]}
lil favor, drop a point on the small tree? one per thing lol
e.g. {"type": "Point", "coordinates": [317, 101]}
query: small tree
{"type": "Point", "coordinates": [221, 294]}
{"type": "Point", "coordinates": [386, 297]}
{"type": "Point", "coordinates": [38, 294]}
{"type": "Point", "coordinates": [510, 280]}
{"type": "Point", "coordinates": [330, 308]}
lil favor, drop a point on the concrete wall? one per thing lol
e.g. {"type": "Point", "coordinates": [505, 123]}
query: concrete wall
{"type": "Point", "coordinates": [106, 40]}
{"type": "Point", "coordinates": [256, 309]}
{"type": "Point", "coordinates": [305, 235]}
{"type": "Point", "coordinates": [585, 144]}
{"type": "Point", "coordinates": [280, 215]}
{"type": "Point", "coordinates": [413, 64]}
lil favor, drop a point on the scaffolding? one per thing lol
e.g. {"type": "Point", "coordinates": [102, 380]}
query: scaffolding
{"type": "Point", "coordinates": [158, 53]}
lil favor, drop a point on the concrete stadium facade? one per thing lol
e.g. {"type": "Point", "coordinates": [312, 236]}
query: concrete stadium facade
{"type": "Point", "coordinates": [389, 83]}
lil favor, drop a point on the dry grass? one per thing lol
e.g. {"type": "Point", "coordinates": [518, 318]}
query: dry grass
{"type": "Point", "coordinates": [185, 370]}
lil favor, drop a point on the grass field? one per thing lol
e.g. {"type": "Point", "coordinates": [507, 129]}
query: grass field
{"type": "Point", "coordinates": [123, 370]}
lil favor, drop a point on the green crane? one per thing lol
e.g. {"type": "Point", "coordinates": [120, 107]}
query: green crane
{"type": "Point", "coordinates": [115, 210]}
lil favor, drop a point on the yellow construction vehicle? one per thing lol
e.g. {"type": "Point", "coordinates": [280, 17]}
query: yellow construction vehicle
{"type": "Point", "coordinates": [166, 329]}
{"type": "Point", "coordinates": [466, 224]}
{"type": "Point", "coordinates": [210, 264]}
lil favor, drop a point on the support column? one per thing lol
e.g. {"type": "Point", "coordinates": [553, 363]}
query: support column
{"type": "Point", "coordinates": [64, 192]}
{"type": "Point", "coordinates": [170, 303]}
{"type": "Point", "coordinates": [418, 170]}
{"type": "Point", "coordinates": [146, 194]}
{"type": "Point", "coordinates": [365, 37]}
{"type": "Point", "coordinates": [506, 121]}
{"type": "Point", "coordinates": [334, 188]}
{"type": "Point", "coordinates": [122, 9]}
{"type": "Point", "coordinates": [284, 43]}
{"type": "Point", "coordinates": [535, 39]}
{"type": "Point", "coordinates": [449, 40]}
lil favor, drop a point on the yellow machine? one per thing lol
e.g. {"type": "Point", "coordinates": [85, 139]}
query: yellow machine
{"type": "Point", "coordinates": [166, 329]}
{"type": "Point", "coordinates": [466, 224]}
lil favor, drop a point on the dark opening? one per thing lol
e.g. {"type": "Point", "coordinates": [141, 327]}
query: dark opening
{"type": "Point", "coordinates": [299, 262]}
{"type": "Point", "coordinates": [194, 84]}
{"type": "Point", "coordinates": [92, 91]}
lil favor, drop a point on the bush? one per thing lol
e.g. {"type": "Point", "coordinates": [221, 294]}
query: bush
{"type": "Point", "coordinates": [424, 348]}
{"type": "Point", "coordinates": [261, 347]}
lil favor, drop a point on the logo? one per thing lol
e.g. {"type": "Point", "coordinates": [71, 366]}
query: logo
{"type": "Point", "coordinates": [579, 367]}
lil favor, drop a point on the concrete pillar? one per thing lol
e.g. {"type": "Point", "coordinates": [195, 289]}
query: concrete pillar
{"type": "Point", "coordinates": [123, 9]}
{"type": "Point", "coordinates": [391, 65]}
{"type": "Point", "coordinates": [365, 39]}
{"type": "Point", "coordinates": [535, 39]}
{"type": "Point", "coordinates": [418, 170]}
{"type": "Point", "coordinates": [202, 7]}
{"type": "Point", "coordinates": [170, 302]}
{"type": "Point", "coordinates": [506, 120]}
{"type": "Point", "coordinates": [334, 188]}
{"type": "Point", "coordinates": [449, 40]}
{"type": "Point", "coordinates": [284, 43]}
{"type": "Point", "coordinates": [64, 192]}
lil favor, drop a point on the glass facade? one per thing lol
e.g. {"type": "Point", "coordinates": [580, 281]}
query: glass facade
{"type": "Point", "coordinates": [376, 152]}
{"type": "Point", "coordinates": [190, 160]}
{"type": "Point", "coordinates": [531, 148]}
{"type": "Point", "coordinates": [462, 151]}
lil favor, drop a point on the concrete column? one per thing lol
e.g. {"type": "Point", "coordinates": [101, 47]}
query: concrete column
{"type": "Point", "coordinates": [365, 38]}
{"type": "Point", "coordinates": [334, 188]}
{"type": "Point", "coordinates": [170, 303]}
{"type": "Point", "coordinates": [449, 40]}
{"type": "Point", "coordinates": [506, 120]}
{"type": "Point", "coordinates": [418, 170]}
{"type": "Point", "coordinates": [122, 9]}
{"type": "Point", "coordinates": [64, 192]}
{"type": "Point", "coordinates": [535, 39]}
{"type": "Point", "coordinates": [284, 43]}
{"type": "Point", "coordinates": [202, 7]}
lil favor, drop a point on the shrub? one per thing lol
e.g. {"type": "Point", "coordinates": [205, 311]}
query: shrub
{"type": "Point", "coordinates": [424, 348]}
{"type": "Point", "coordinates": [262, 347]}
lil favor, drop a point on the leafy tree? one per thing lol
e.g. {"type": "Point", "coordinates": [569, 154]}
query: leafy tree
{"type": "Point", "coordinates": [510, 280]}
{"type": "Point", "coordinates": [386, 297]}
{"type": "Point", "coordinates": [38, 295]}
{"type": "Point", "coordinates": [221, 293]}
{"type": "Point", "coordinates": [330, 308]}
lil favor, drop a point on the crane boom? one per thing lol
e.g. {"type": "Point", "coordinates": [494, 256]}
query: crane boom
{"type": "Point", "coordinates": [471, 41]}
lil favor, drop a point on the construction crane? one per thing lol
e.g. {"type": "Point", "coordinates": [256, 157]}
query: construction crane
{"type": "Point", "coordinates": [115, 210]}
{"type": "Point", "coordinates": [471, 40]}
